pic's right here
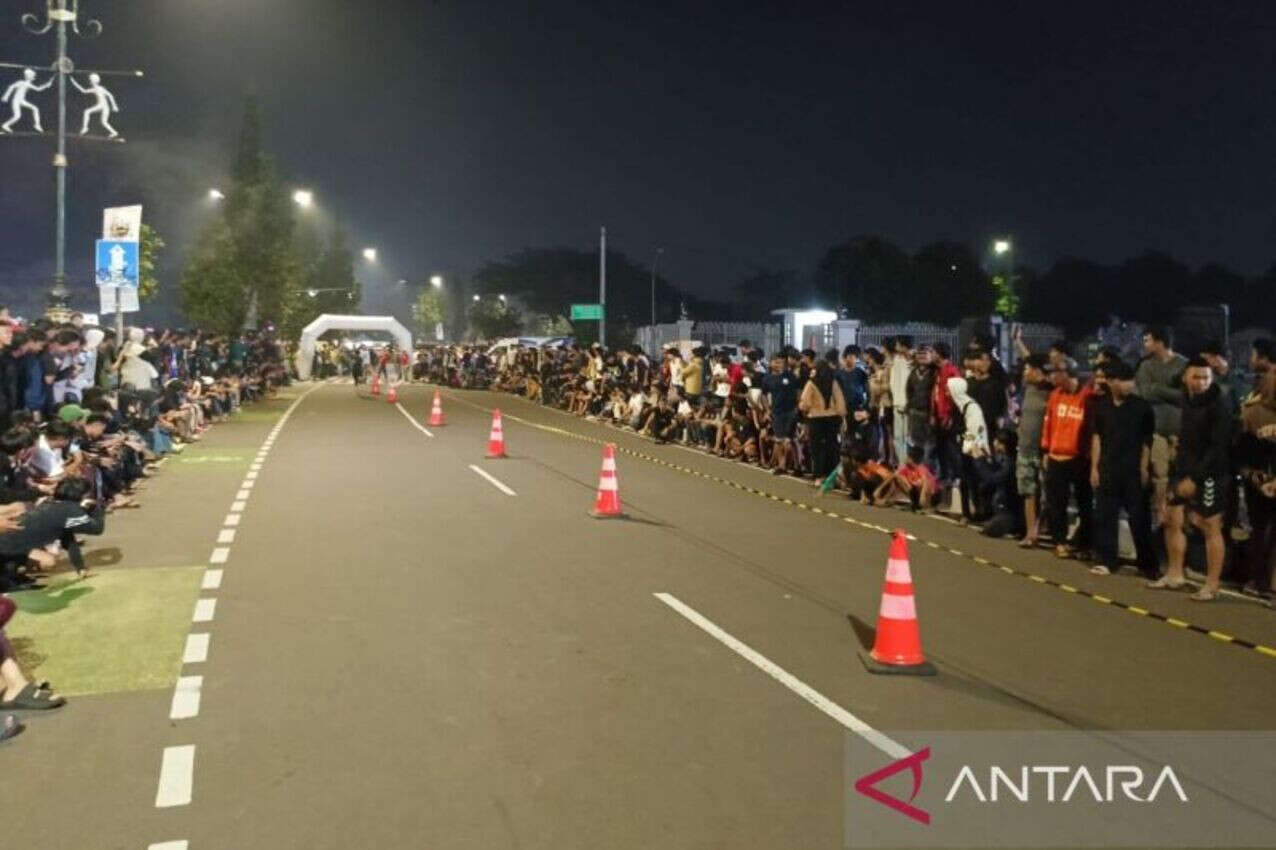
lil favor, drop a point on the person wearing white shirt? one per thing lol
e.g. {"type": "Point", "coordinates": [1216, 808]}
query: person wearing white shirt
{"type": "Point", "coordinates": [901, 365]}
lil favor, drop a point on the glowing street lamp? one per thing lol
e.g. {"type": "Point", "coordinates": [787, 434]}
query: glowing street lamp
{"type": "Point", "coordinates": [303, 198]}
{"type": "Point", "coordinates": [1001, 246]}
{"type": "Point", "coordinates": [216, 195]}
{"type": "Point", "coordinates": [476, 298]}
{"type": "Point", "coordinates": [501, 297]}
{"type": "Point", "coordinates": [437, 281]}
{"type": "Point", "coordinates": [370, 254]}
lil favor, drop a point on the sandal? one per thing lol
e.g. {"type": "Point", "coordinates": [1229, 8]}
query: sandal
{"type": "Point", "coordinates": [1100, 570]}
{"type": "Point", "coordinates": [33, 698]}
{"type": "Point", "coordinates": [1027, 544]}
{"type": "Point", "coordinates": [1204, 595]}
{"type": "Point", "coordinates": [1164, 583]}
{"type": "Point", "coordinates": [11, 728]}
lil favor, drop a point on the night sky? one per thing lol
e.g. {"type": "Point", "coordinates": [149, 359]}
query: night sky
{"type": "Point", "coordinates": [732, 135]}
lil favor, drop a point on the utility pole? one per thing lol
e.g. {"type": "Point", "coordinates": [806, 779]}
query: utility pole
{"type": "Point", "coordinates": [602, 288]}
{"type": "Point", "coordinates": [63, 14]}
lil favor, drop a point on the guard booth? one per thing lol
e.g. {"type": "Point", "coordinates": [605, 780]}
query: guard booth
{"type": "Point", "coordinates": [331, 322]}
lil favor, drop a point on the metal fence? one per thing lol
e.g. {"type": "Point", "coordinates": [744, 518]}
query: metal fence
{"type": "Point", "coordinates": [920, 332]}
{"type": "Point", "coordinates": [764, 335]}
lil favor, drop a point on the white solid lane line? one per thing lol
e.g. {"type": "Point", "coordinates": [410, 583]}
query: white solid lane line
{"type": "Point", "coordinates": [196, 648]}
{"type": "Point", "coordinates": [170, 845]}
{"type": "Point", "coordinates": [498, 485]}
{"type": "Point", "coordinates": [424, 430]}
{"type": "Point", "coordinates": [205, 610]}
{"type": "Point", "coordinates": [186, 698]}
{"type": "Point", "coordinates": [177, 775]}
{"type": "Point", "coordinates": [892, 748]}
{"type": "Point", "coordinates": [212, 580]}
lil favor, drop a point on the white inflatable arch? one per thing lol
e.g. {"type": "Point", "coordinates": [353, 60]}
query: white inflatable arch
{"type": "Point", "coordinates": [330, 322]}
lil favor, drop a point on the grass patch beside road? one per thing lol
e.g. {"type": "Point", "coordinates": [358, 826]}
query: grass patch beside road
{"type": "Point", "coordinates": [119, 630]}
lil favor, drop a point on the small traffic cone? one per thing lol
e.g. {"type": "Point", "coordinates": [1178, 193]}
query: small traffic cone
{"type": "Point", "coordinates": [376, 385]}
{"type": "Point", "coordinates": [436, 411]}
{"type": "Point", "coordinates": [607, 503]}
{"type": "Point", "coordinates": [392, 395]}
{"type": "Point", "coordinates": [496, 439]}
{"type": "Point", "coordinates": [898, 646]}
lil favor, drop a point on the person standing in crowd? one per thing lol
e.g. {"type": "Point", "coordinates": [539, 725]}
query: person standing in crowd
{"type": "Point", "coordinates": [973, 434]}
{"type": "Point", "coordinates": [781, 389]}
{"type": "Point", "coordinates": [1256, 458]}
{"type": "Point", "coordinates": [693, 376]}
{"type": "Point", "coordinates": [824, 406]}
{"type": "Point", "coordinates": [942, 414]}
{"type": "Point", "coordinates": [987, 385]}
{"type": "Point", "coordinates": [1228, 381]}
{"type": "Point", "coordinates": [1159, 379]}
{"type": "Point", "coordinates": [918, 390]}
{"type": "Point", "coordinates": [901, 366]}
{"type": "Point", "coordinates": [1064, 441]}
{"type": "Point", "coordinates": [1120, 460]}
{"type": "Point", "coordinates": [1199, 480]}
{"type": "Point", "coordinates": [880, 405]}
{"type": "Point", "coordinates": [1032, 414]}
{"type": "Point", "coordinates": [852, 378]}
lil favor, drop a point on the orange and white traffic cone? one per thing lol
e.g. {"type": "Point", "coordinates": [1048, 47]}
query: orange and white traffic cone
{"type": "Point", "coordinates": [496, 439]}
{"type": "Point", "coordinates": [436, 411]}
{"type": "Point", "coordinates": [898, 646]}
{"type": "Point", "coordinates": [376, 385]}
{"type": "Point", "coordinates": [392, 395]}
{"type": "Point", "coordinates": [607, 503]}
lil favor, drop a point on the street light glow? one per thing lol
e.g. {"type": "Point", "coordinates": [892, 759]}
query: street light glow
{"type": "Point", "coordinates": [476, 298]}
{"type": "Point", "coordinates": [437, 281]}
{"type": "Point", "coordinates": [215, 195]}
{"type": "Point", "coordinates": [303, 197]}
{"type": "Point", "coordinates": [502, 297]}
{"type": "Point", "coordinates": [370, 254]}
{"type": "Point", "coordinates": [312, 292]}
{"type": "Point", "coordinates": [1001, 246]}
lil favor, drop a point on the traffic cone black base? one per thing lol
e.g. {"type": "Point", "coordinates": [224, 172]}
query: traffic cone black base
{"type": "Point", "coordinates": [872, 666]}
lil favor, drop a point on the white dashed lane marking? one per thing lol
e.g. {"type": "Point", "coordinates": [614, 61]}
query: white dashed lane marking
{"type": "Point", "coordinates": [212, 580]}
{"type": "Point", "coordinates": [186, 698]}
{"type": "Point", "coordinates": [196, 649]}
{"type": "Point", "coordinates": [205, 610]}
{"type": "Point", "coordinates": [177, 776]}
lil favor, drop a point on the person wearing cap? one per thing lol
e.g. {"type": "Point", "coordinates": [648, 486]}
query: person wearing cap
{"type": "Point", "coordinates": [1064, 444]}
{"type": "Point", "coordinates": [1120, 461]}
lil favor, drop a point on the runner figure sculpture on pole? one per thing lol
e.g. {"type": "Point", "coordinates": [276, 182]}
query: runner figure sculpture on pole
{"type": "Point", "coordinates": [103, 107]}
{"type": "Point", "coordinates": [16, 96]}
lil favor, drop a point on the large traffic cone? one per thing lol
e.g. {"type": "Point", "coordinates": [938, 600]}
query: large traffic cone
{"type": "Point", "coordinates": [607, 503]}
{"type": "Point", "coordinates": [898, 647]}
{"type": "Point", "coordinates": [496, 439]}
{"type": "Point", "coordinates": [376, 385]}
{"type": "Point", "coordinates": [436, 411]}
{"type": "Point", "coordinates": [392, 395]}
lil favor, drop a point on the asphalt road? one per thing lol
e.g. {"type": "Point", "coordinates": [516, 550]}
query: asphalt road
{"type": "Point", "coordinates": [403, 654]}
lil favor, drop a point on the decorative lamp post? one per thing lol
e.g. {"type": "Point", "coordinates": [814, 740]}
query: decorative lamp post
{"type": "Point", "coordinates": [62, 16]}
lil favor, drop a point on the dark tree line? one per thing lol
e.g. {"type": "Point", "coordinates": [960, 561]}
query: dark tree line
{"type": "Point", "coordinates": [876, 280]}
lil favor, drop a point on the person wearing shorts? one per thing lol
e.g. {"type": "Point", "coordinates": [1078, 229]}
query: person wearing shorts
{"type": "Point", "coordinates": [781, 386]}
{"type": "Point", "coordinates": [1198, 487]}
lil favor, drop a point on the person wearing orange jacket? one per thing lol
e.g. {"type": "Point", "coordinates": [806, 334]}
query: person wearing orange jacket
{"type": "Point", "coordinates": [1065, 439]}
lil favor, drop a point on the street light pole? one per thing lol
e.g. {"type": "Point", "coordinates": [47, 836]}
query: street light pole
{"type": "Point", "coordinates": [64, 14]}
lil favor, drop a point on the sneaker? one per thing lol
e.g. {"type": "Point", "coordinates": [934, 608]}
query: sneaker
{"type": "Point", "coordinates": [1100, 570]}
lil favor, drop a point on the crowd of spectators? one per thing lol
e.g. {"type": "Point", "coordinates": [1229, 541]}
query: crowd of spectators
{"type": "Point", "coordinates": [84, 420]}
{"type": "Point", "coordinates": [1050, 453]}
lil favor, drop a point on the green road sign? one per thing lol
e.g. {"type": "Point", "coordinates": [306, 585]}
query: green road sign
{"type": "Point", "coordinates": [587, 311]}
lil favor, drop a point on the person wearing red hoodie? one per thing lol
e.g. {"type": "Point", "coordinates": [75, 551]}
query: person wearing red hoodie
{"type": "Point", "coordinates": [948, 426]}
{"type": "Point", "coordinates": [1064, 441]}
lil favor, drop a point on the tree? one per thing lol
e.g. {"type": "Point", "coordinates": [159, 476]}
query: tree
{"type": "Point", "coordinates": [948, 285]}
{"type": "Point", "coordinates": [428, 310]}
{"type": "Point", "coordinates": [328, 272]}
{"type": "Point", "coordinates": [1075, 294]}
{"type": "Point", "coordinates": [491, 318]}
{"type": "Point", "coordinates": [867, 276]}
{"type": "Point", "coordinates": [148, 254]}
{"type": "Point", "coordinates": [213, 294]}
{"type": "Point", "coordinates": [251, 242]}
{"type": "Point", "coordinates": [764, 290]}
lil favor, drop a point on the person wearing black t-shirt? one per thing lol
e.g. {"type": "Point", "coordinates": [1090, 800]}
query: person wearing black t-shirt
{"type": "Point", "coordinates": [1120, 454]}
